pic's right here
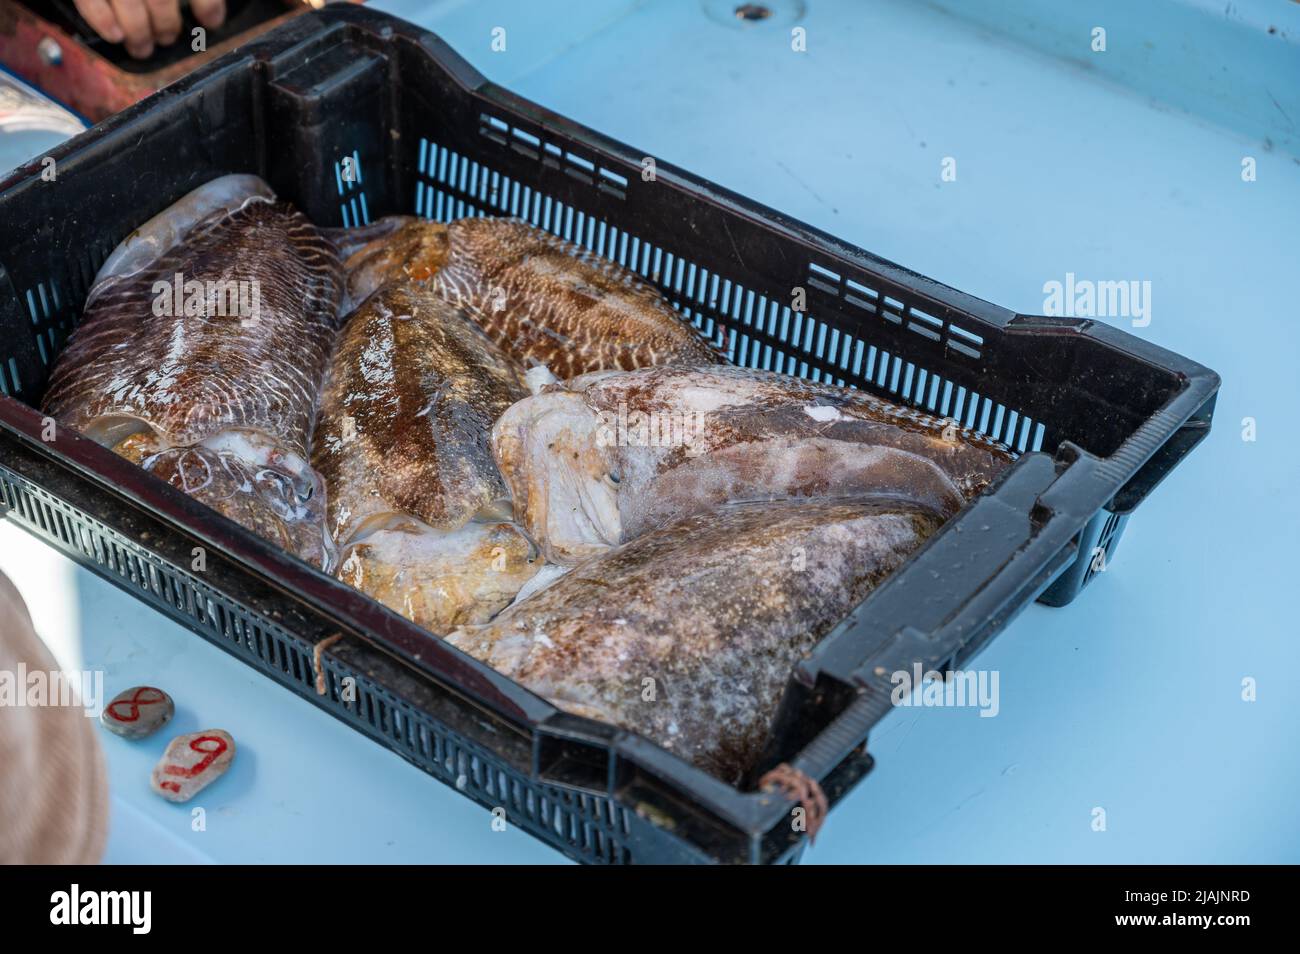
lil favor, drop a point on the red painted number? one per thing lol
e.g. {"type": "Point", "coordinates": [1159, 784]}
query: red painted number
{"type": "Point", "coordinates": [210, 755]}
{"type": "Point", "coordinates": [134, 704]}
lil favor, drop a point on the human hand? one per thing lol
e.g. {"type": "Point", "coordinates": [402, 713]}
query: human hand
{"type": "Point", "coordinates": [142, 23]}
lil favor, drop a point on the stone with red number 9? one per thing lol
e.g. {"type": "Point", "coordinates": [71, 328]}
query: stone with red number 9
{"type": "Point", "coordinates": [137, 712]}
{"type": "Point", "coordinates": [191, 763]}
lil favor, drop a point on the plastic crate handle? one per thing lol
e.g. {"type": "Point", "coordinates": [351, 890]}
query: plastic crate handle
{"type": "Point", "coordinates": [1164, 460]}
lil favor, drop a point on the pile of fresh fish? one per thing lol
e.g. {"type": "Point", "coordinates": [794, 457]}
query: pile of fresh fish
{"type": "Point", "coordinates": [517, 445]}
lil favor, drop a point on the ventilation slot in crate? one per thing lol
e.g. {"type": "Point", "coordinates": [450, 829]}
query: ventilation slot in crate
{"type": "Point", "coordinates": [1104, 547]}
{"type": "Point", "coordinates": [890, 306]}
{"type": "Point", "coordinates": [10, 381]}
{"type": "Point", "coordinates": [49, 313]}
{"type": "Point", "coordinates": [529, 144]}
{"type": "Point", "coordinates": [352, 205]}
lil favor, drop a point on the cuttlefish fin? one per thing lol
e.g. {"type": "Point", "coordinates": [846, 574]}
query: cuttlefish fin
{"type": "Point", "coordinates": [351, 240]}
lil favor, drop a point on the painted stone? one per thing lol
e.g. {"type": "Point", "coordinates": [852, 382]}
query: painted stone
{"type": "Point", "coordinates": [137, 712]}
{"type": "Point", "coordinates": [191, 763]}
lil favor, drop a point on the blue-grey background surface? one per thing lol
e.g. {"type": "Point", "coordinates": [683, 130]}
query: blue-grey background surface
{"type": "Point", "coordinates": [1116, 165]}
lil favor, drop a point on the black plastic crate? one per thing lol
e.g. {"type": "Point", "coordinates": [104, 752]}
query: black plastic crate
{"type": "Point", "coordinates": [1098, 418]}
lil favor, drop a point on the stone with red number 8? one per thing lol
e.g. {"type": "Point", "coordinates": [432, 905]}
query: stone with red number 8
{"type": "Point", "coordinates": [137, 712]}
{"type": "Point", "coordinates": [191, 763]}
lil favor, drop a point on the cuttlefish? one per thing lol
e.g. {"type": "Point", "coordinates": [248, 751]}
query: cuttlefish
{"type": "Point", "coordinates": [201, 353]}
{"type": "Point", "coordinates": [605, 457]}
{"type": "Point", "coordinates": [689, 633]}
{"type": "Point", "coordinates": [544, 300]}
{"type": "Point", "coordinates": [417, 506]}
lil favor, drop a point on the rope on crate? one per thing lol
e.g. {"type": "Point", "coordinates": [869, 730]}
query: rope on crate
{"type": "Point", "coordinates": [324, 644]}
{"type": "Point", "coordinates": [802, 789]}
